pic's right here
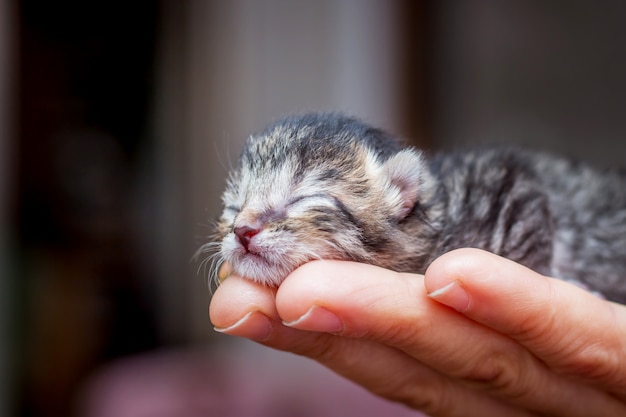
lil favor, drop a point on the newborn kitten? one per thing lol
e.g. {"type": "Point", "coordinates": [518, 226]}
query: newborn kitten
{"type": "Point", "coordinates": [327, 186]}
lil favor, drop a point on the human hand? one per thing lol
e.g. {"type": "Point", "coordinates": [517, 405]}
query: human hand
{"type": "Point", "coordinates": [514, 343]}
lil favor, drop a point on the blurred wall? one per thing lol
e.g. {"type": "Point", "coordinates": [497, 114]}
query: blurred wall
{"type": "Point", "coordinates": [547, 75]}
{"type": "Point", "coordinates": [84, 290]}
{"type": "Point", "coordinates": [6, 136]}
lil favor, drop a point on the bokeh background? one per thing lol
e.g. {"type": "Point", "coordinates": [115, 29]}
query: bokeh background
{"type": "Point", "coordinates": [119, 120]}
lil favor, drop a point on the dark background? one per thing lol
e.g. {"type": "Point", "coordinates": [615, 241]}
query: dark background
{"type": "Point", "coordinates": [85, 80]}
{"type": "Point", "coordinates": [119, 120]}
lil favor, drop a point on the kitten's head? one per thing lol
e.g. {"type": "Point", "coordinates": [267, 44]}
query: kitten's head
{"type": "Point", "coordinates": [318, 186]}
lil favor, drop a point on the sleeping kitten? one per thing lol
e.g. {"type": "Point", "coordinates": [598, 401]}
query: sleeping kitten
{"type": "Point", "coordinates": [327, 186]}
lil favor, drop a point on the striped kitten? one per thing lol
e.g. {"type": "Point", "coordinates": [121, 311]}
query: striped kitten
{"type": "Point", "coordinates": [327, 186]}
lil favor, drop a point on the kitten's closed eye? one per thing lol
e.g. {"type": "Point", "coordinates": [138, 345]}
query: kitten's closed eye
{"type": "Point", "coordinates": [303, 204]}
{"type": "Point", "coordinates": [299, 199]}
{"type": "Point", "coordinates": [260, 218]}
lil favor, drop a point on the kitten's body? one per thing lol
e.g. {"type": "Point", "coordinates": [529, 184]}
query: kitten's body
{"type": "Point", "coordinates": [325, 186]}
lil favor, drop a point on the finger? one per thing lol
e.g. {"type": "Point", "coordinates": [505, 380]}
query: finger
{"type": "Point", "coordinates": [242, 308]}
{"type": "Point", "coordinates": [571, 330]}
{"type": "Point", "coordinates": [393, 309]}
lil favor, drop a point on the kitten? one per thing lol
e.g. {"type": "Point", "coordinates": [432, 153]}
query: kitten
{"type": "Point", "coordinates": [327, 186]}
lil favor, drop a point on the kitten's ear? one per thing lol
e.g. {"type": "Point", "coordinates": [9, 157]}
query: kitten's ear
{"type": "Point", "coordinates": [403, 172]}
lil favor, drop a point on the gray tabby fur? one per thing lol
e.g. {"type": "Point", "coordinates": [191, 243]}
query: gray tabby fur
{"type": "Point", "coordinates": [327, 186]}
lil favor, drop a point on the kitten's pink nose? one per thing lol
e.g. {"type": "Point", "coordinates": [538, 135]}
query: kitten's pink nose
{"type": "Point", "coordinates": [245, 234]}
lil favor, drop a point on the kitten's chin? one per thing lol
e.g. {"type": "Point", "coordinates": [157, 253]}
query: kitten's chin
{"type": "Point", "coordinates": [257, 269]}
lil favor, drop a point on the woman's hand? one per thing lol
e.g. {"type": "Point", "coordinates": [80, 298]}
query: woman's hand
{"type": "Point", "coordinates": [478, 335]}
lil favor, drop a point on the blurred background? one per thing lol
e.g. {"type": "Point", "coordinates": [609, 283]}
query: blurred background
{"type": "Point", "coordinates": [119, 120]}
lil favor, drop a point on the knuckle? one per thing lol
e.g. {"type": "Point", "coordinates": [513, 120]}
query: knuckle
{"type": "Point", "coordinates": [538, 320]}
{"type": "Point", "coordinates": [430, 398]}
{"type": "Point", "coordinates": [503, 373]}
{"type": "Point", "coordinates": [599, 363]}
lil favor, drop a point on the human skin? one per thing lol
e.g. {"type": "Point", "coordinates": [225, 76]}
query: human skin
{"type": "Point", "coordinates": [477, 335]}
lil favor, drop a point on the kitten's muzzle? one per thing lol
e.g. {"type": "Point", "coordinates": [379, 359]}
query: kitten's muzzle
{"type": "Point", "coordinates": [245, 234]}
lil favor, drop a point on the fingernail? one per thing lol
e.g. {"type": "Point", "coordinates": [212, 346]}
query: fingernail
{"type": "Point", "coordinates": [254, 325]}
{"type": "Point", "coordinates": [318, 319]}
{"type": "Point", "coordinates": [453, 295]}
